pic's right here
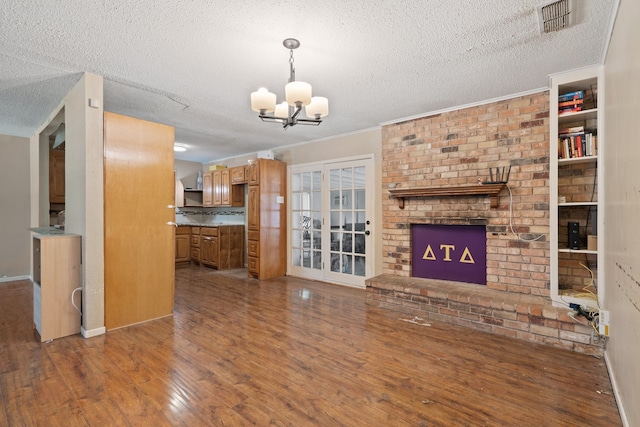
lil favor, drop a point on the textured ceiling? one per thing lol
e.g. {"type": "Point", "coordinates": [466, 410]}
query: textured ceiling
{"type": "Point", "coordinates": [192, 64]}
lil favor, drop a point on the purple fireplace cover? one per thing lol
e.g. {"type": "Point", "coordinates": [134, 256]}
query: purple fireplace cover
{"type": "Point", "coordinates": [449, 252]}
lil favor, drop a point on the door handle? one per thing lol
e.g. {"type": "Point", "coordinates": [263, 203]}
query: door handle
{"type": "Point", "coordinates": [172, 223]}
{"type": "Point", "coordinates": [367, 232]}
{"type": "Point", "coordinates": [171, 207]}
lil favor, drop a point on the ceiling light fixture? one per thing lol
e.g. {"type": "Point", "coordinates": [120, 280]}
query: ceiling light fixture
{"type": "Point", "coordinates": [179, 147]}
{"type": "Point", "coordinates": [297, 95]}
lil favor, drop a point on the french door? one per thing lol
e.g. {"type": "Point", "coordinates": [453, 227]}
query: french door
{"type": "Point", "coordinates": [331, 221]}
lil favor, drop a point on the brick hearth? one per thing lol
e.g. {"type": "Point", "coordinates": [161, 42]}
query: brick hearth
{"type": "Point", "coordinates": [523, 316]}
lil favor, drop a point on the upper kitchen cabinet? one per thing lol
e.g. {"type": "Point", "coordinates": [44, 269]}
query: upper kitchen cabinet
{"type": "Point", "coordinates": [218, 190]}
{"type": "Point", "coordinates": [56, 176]}
{"type": "Point", "coordinates": [239, 175]}
{"type": "Point", "coordinates": [207, 189]}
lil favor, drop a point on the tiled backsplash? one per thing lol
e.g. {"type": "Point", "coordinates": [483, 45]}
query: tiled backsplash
{"type": "Point", "coordinates": [231, 216]}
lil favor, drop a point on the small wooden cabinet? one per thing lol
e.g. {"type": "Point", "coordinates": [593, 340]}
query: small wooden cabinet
{"type": "Point", "coordinates": [195, 244]}
{"type": "Point", "coordinates": [209, 249]}
{"type": "Point", "coordinates": [219, 191]}
{"type": "Point", "coordinates": [207, 189]}
{"type": "Point", "coordinates": [56, 274]}
{"type": "Point", "coordinates": [217, 188]}
{"type": "Point", "coordinates": [222, 246]}
{"type": "Point", "coordinates": [266, 219]}
{"type": "Point", "coordinates": [239, 175]}
{"type": "Point", "coordinates": [219, 247]}
{"type": "Point", "coordinates": [183, 244]}
{"type": "Point", "coordinates": [56, 176]}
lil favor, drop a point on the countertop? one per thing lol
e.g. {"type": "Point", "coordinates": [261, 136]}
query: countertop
{"type": "Point", "coordinates": [207, 224]}
{"type": "Point", "coordinates": [51, 231]}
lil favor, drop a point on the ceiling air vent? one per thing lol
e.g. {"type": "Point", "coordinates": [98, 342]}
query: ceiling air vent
{"type": "Point", "coordinates": [555, 16]}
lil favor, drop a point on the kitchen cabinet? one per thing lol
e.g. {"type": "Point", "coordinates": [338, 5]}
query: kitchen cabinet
{"type": "Point", "coordinates": [195, 245]}
{"type": "Point", "coordinates": [192, 198]}
{"type": "Point", "coordinates": [222, 246]}
{"type": "Point", "coordinates": [183, 244]}
{"type": "Point", "coordinates": [209, 249]}
{"type": "Point", "coordinates": [56, 176]}
{"type": "Point", "coordinates": [225, 194]}
{"type": "Point", "coordinates": [217, 188]}
{"type": "Point", "coordinates": [56, 273]}
{"type": "Point", "coordinates": [207, 189]}
{"type": "Point", "coordinates": [266, 218]}
{"type": "Point", "coordinates": [239, 175]}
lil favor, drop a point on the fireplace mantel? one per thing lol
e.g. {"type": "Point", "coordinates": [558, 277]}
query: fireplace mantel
{"type": "Point", "coordinates": [491, 190]}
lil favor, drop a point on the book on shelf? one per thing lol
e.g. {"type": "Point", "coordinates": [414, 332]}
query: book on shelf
{"type": "Point", "coordinates": [576, 130]}
{"type": "Point", "coordinates": [570, 96]}
{"type": "Point", "coordinates": [572, 146]}
{"type": "Point", "coordinates": [572, 109]}
{"type": "Point", "coordinates": [571, 103]}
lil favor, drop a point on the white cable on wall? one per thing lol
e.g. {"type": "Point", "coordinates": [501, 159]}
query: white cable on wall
{"type": "Point", "coordinates": [72, 302]}
{"type": "Point", "coordinates": [511, 220]}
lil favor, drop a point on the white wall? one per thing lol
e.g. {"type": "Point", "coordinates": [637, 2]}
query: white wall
{"type": "Point", "coordinates": [84, 205]}
{"type": "Point", "coordinates": [187, 172]}
{"type": "Point", "coordinates": [622, 204]}
{"type": "Point", "coordinates": [14, 210]}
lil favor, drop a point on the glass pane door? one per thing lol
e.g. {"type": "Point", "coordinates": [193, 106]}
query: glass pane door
{"type": "Point", "coordinates": [306, 222]}
{"type": "Point", "coordinates": [331, 216]}
{"type": "Point", "coordinates": [349, 226]}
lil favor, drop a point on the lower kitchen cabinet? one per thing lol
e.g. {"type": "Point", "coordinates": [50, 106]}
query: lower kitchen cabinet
{"type": "Point", "coordinates": [209, 249]}
{"type": "Point", "coordinates": [218, 247]}
{"type": "Point", "coordinates": [183, 244]}
{"type": "Point", "coordinates": [222, 247]}
{"type": "Point", "coordinates": [195, 245]}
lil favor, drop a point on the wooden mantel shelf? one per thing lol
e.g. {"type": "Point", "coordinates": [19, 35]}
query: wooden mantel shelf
{"type": "Point", "coordinates": [491, 190]}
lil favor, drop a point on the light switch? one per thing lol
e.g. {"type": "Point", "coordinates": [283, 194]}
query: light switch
{"type": "Point", "coordinates": [280, 199]}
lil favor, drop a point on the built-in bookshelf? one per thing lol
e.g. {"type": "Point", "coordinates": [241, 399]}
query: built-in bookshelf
{"type": "Point", "coordinates": [576, 188]}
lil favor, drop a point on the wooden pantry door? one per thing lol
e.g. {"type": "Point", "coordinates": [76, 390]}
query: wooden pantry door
{"type": "Point", "coordinates": [138, 220]}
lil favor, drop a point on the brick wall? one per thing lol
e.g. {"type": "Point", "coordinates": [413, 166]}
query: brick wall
{"type": "Point", "coordinates": [457, 148]}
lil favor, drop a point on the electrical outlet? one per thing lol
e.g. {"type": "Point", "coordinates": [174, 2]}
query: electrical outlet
{"type": "Point", "coordinates": [603, 323]}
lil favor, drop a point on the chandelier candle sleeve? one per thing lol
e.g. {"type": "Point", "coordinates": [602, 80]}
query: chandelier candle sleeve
{"type": "Point", "coordinates": [282, 110]}
{"type": "Point", "coordinates": [298, 93]}
{"type": "Point", "coordinates": [318, 108]}
{"type": "Point", "coordinates": [263, 101]}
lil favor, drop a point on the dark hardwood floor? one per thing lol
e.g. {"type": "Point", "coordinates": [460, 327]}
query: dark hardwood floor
{"type": "Point", "coordinates": [287, 352]}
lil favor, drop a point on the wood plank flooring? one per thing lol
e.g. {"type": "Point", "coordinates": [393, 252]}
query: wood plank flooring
{"type": "Point", "coordinates": [287, 352]}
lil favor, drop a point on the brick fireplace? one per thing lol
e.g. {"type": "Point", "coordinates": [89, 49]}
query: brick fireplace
{"type": "Point", "coordinates": [455, 150]}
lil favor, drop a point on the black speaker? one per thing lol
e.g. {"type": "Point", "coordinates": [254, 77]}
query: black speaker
{"type": "Point", "coordinates": [574, 234]}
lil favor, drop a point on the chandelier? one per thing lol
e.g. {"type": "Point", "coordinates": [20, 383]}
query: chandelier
{"type": "Point", "coordinates": [297, 95]}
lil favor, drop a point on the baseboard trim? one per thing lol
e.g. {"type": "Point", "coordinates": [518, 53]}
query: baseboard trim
{"type": "Point", "coordinates": [616, 393]}
{"type": "Point", "coordinates": [14, 278]}
{"type": "Point", "coordinates": [93, 332]}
